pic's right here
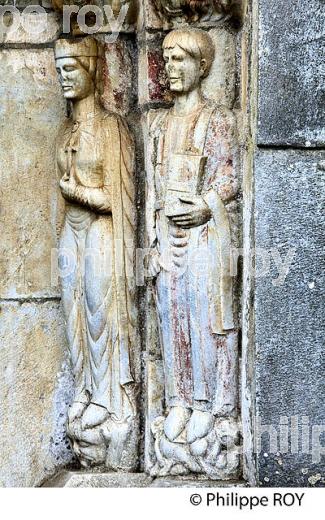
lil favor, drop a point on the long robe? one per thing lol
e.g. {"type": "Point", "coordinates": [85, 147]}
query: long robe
{"type": "Point", "coordinates": [194, 290]}
{"type": "Point", "coordinates": [97, 258]}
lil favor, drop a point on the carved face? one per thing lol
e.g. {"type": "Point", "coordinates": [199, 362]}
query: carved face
{"type": "Point", "coordinates": [75, 80]}
{"type": "Point", "coordinates": [184, 72]}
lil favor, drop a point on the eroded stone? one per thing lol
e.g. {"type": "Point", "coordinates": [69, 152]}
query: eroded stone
{"type": "Point", "coordinates": [31, 206]}
{"type": "Point", "coordinates": [36, 389]}
{"type": "Point", "coordinates": [291, 73]}
{"type": "Point", "coordinates": [290, 363]}
{"type": "Point", "coordinates": [30, 28]}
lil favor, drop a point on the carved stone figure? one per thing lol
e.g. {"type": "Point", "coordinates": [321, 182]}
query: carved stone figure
{"type": "Point", "coordinates": [95, 161]}
{"type": "Point", "coordinates": [192, 160]}
{"type": "Point", "coordinates": [193, 10]}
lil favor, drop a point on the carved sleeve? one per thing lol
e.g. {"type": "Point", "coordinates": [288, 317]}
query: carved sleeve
{"type": "Point", "coordinates": [97, 199]}
{"type": "Point", "coordinates": [221, 150]}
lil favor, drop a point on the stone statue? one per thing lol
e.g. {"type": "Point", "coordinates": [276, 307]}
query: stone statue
{"type": "Point", "coordinates": [95, 161]}
{"type": "Point", "coordinates": [194, 10]}
{"type": "Point", "coordinates": [192, 161]}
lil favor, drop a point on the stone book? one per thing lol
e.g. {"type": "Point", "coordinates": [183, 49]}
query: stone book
{"type": "Point", "coordinates": [185, 179]}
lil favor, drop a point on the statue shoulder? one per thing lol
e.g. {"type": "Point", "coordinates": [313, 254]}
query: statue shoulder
{"type": "Point", "coordinates": [222, 116]}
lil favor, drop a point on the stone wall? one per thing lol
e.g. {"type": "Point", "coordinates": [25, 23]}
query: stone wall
{"type": "Point", "coordinates": [289, 202]}
{"type": "Point", "coordinates": [35, 379]}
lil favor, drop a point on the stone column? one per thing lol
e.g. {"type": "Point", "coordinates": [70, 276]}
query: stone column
{"type": "Point", "coordinates": [289, 209]}
{"type": "Point", "coordinates": [35, 381]}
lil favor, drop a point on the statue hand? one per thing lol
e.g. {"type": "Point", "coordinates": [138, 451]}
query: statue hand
{"type": "Point", "coordinates": [67, 188]}
{"type": "Point", "coordinates": [198, 212]}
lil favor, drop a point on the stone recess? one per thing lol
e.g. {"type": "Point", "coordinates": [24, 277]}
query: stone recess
{"type": "Point", "coordinates": [290, 362]}
{"type": "Point", "coordinates": [291, 73]}
{"type": "Point", "coordinates": [31, 206]}
{"type": "Point", "coordinates": [152, 81]}
{"type": "Point", "coordinates": [220, 84]}
{"type": "Point", "coordinates": [35, 388]}
{"type": "Point", "coordinates": [118, 77]}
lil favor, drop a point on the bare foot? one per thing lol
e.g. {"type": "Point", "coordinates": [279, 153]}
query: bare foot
{"type": "Point", "coordinates": [176, 421]}
{"type": "Point", "coordinates": [94, 415]}
{"type": "Point", "coordinates": [199, 425]}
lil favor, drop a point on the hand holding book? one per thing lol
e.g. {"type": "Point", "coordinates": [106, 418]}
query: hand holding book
{"type": "Point", "coordinates": [196, 212]}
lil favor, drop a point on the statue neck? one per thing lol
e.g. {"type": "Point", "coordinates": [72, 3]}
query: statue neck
{"type": "Point", "coordinates": [85, 108]}
{"type": "Point", "coordinates": [187, 102]}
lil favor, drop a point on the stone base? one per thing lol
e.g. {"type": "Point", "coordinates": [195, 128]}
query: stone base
{"type": "Point", "coordinates": [190, 482]}
{"type": "Point", "coordinates": [75, 479]}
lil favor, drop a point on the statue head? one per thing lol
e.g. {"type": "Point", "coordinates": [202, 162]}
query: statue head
{"type": "Point", "coordinates": [188, 55]}
{"type": "Point", "coordinates": [76, 64]}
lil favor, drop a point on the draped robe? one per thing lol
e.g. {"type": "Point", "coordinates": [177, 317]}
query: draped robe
{"type": "Point", "coordinates": [193, 289]}
{"type": "Point", "coordinates": [97, 259]}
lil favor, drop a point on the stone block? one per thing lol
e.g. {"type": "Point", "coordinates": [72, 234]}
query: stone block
{"type": "Point", "coordinates": [291, 73]}
{"type": "Point", "coordinates": [82, 479]}
{"type": "Point", "coordinates": [31, 28]}
{"type": "Point", "coordinates": [290, 362]}
{"type": "Point", "coordinates": [152, 81]}
{"type": "Point", "coordinates": [36, 388]}
{"type": "Point", "coordinates": [149, 16]}
{"type": "Point", "coordinates": [31, 205]}
{"type": "Point", "coordinates": [21, 4]}
{"type": "Point", "coordinates": [195, 482]}
{"type": "Point", "coordinates": [169, 14]}
{"type": "Point", "coordinates": [118, 77]}
{"type": "Point", "coordinates": [220, 84]}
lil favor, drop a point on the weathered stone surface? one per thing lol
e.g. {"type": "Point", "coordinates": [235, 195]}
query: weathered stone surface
{"type": "Point", "coordinates": [290, 362]}
{"type": "Point", "coordinates": [170, 14]}
{"type": "Point", "coordinates": [35, 390]}
{"type": "Point", "coordinates": [118, 77]}
{"type": "Point", "coordinates": [21, 4]}
{"type": "Point", "coordinates": [291, 73]}
{"type": "Point", "coordinates": [149, 16]}
{"type": "Point", "coordinates": [31, 206]}
{"type": "Point", "coordinates": [186, 482]}
{"type": "Point", "coordinates": [31, 28]}
{"type": "Point", "coordinates": [77, 479]}
{"type": "Point", "coordinates": [220, 84]}
{"type": "Point", "coordinates": [152, 81]}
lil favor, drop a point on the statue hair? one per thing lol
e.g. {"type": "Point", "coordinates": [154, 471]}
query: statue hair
{"type": "Point", "coordinates": [195, 42]}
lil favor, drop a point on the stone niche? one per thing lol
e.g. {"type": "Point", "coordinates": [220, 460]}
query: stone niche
{"type": "Point", "coordinates": [37, 385]}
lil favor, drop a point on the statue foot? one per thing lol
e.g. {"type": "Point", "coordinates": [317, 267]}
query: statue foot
{"type": "Point", "coordinates": [199, 425]}
{"type": "Point", "coordinates": [76, 410]}
{"type": "Point", "coordinates": [176, 421]}
{"type": "Point", "coordinates": [94, 415]}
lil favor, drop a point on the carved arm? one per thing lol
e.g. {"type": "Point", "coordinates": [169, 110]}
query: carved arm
{"type": "Point", "coordinates": [97, 199]}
